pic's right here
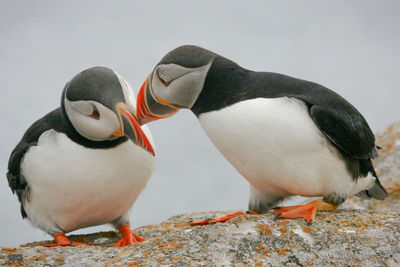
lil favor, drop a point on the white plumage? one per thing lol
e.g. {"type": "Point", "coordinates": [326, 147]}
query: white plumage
{"type": "Point", "coordinates": [276, 146]}
{"type": "Point", "coordinates": [72, 186]}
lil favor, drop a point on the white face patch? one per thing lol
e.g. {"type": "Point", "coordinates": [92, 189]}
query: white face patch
{"type": "Point", "coordinates": [129, 96]}
{"type": "Point", "coordinates": [179, 85]}
{"type": "Point", "coordinates": [96, 129]}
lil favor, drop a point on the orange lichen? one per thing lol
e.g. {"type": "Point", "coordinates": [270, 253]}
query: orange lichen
{"type": "Point", "coordinates": [245, 216]}
{"type": "Point", "coordinates": [388, 147]}
{"type": "Point", "coordinates": [60, 259]}
{"type": "Point", "coordinates": [173, 245]}
{"type": "Point", "coordinates": [9, 250]}
{"type": "Point", "coordinates": [373, 259]}
{"type": "Point", "coordinates": [160, 259]}
{"type": "Point", "coordinates": [282, 223]}
{"type": "Point", "coordinates": [266, 251]}
{"type": "Point", "coordinates": [133, 264]}
{"type": "Point", "coordinates": [359, 224]}
{"type": "Point", "coordinates": [264, 229]}
{"type": "Point", "coordinates": [282, 252]}
{"type": "Point", "coordinates": [259, 248]}
{"type": "Point", "coordinates": [283, 231]}
{"type": "Point", "coordinates": [15, 263]}
{"type": "Point", "coordinates": [40, 258]}
{"type": "Point", "coordinates": [394, 189]}
{"type": "Point", "coordinates": [180, 225]}
{"type": "Point", "coordinates": [307, 230]}
{"type": "Point", "coordinates": [174, 260]}
{"type": "Point", "coordinates": [167, 226]}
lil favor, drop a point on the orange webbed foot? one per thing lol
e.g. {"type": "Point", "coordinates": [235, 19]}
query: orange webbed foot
{"type": "Point", "coordinates": [128, 237]}
{"type": "Point", "coordinates": [219, 219]}
{"type": "Point", "coordinates": [63, 241]}
{"type": "Point", "coordinates": [307, 211]}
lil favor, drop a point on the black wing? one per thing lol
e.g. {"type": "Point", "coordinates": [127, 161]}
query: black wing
{"type": "Point", "coordinates": [346, 129]}
{"type": "Point", "coordinates": [340, 121]}
{"type": "Point", "coordinates": [16, 180]}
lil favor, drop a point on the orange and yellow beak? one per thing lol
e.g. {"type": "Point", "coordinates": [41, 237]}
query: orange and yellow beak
{"type": "Point", "coordinates": [150, 108]}
{"type": "Point", "coordinates": [130, 128]}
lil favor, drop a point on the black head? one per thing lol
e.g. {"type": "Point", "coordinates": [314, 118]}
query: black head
{"type": "Point", "coordinates": [176, 82]}
{"type": "Point", "coordinates": [100, 105]}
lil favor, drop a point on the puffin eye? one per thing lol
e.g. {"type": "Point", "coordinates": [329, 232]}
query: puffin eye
{"type": "Point", "coordinates": [95, 113]}
{"type": "Point", "coordinates": [166, 83]}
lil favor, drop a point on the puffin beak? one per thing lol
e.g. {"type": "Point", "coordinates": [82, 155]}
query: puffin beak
{"type": "Point", "coordinates": [130, 128]}
{"type": "Point", "coordinates": [149, 108]}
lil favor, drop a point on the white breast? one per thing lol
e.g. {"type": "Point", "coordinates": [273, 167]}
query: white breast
{"type": "Point", "coordinates": [277, 147]}
{"type": "Point", "coordinates": [74, 187]}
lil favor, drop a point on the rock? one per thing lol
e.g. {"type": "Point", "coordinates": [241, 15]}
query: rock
{"type": "Point", "coordinates": [344, 237]}
{"type": "Point", "coordinates": [364, 238]}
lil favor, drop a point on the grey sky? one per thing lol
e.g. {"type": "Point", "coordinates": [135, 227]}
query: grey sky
{"type": "Point", "coordinates": [351, 47]}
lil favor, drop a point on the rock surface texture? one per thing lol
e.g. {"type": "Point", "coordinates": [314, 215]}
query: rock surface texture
{"type": "Point", "coordinates": [369, 236]}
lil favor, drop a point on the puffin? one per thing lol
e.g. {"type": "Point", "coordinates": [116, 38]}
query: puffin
{"type": "Point", "coordinates": [86, 162]}
{"type": "Point", "coordinates": [286, 136]}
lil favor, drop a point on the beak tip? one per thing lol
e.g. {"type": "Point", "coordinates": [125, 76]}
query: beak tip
{"type": "Point", "coordinates": [132, 128]}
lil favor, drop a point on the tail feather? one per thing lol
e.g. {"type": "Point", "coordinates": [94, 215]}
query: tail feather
{"type": "Point", "coordinates": [377, 191]}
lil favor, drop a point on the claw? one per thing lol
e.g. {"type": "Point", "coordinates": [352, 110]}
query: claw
{"type": "Point", "coordinates": [128, 237]}
{"type": "Point", "coordinates": [252, 212]}
{"type": "Point", "coordinates": [276, 217]}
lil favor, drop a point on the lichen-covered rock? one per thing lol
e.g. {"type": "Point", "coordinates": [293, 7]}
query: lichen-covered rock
{"type": "Point", "coordinates": [364, 238]}
{"type": "Point", "coordinates": [344, 237]}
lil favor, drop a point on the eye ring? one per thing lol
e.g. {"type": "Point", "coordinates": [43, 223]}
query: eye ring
{"type": "Point", "coordinates": [95, 113]}
{"type": "Point", "coordinates": [166, 83]}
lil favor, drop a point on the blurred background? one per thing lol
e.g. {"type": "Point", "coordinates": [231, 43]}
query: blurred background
{"type": "Point", "coordinates": [351, 47]}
